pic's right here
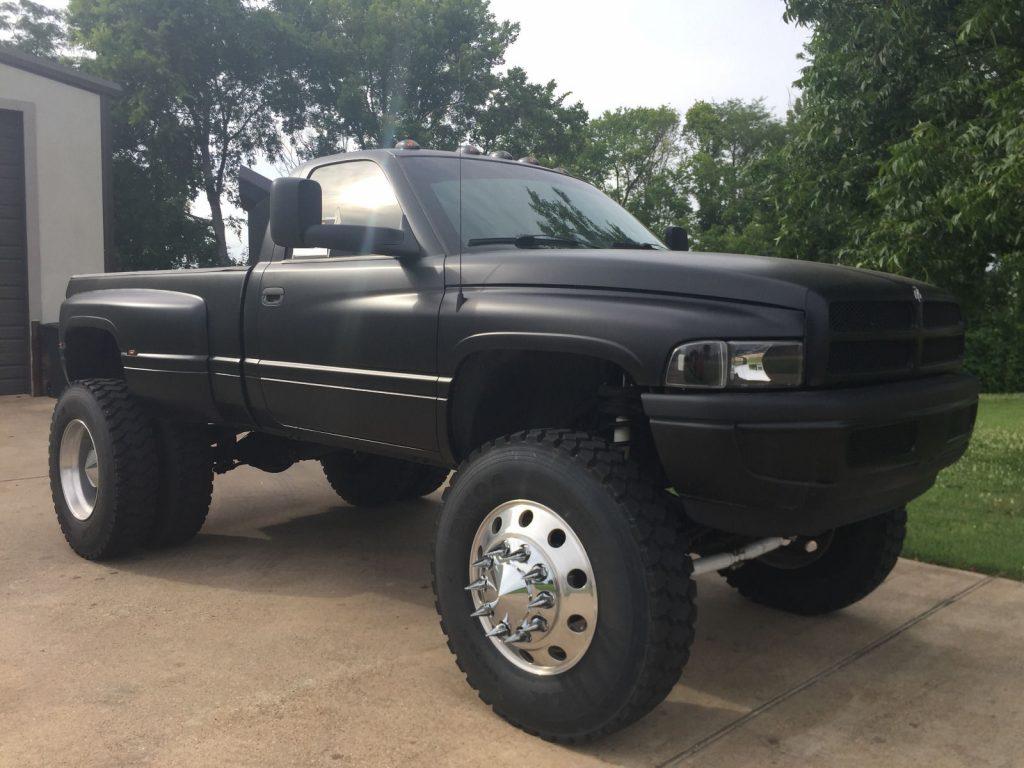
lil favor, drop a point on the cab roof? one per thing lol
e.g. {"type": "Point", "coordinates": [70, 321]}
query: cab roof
{"type": "Point", "coordinates": [304, 169]}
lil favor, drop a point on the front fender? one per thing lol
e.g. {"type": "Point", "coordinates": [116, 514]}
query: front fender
{"type": "Point", "coordinates": [636, 331]}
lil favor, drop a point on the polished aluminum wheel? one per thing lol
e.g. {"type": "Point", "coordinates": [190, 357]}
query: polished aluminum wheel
{"type": "Point", "coordinates": [533, 587]}
{"type": "Point", "coordinates": [79, 469]}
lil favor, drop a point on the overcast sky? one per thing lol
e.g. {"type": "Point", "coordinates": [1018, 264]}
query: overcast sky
{"type": "Point", "coordinates": [651, 52]}
{"type": "Point", "coordinates": [611, 53]}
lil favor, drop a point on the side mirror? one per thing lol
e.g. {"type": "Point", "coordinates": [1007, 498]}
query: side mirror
{"type": "Point", "coordinates": [676, 239]}
{"type": "Point", "coordinates": [296, 216]}
{"type": "Point", "coordinates": [295, 206]}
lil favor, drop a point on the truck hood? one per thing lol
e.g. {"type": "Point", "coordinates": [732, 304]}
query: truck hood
{"type": "Point", "coordinates": [733, 277]}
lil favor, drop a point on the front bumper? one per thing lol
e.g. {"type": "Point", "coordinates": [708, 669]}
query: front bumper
{"type": "Point", "coordinates": [802, 462]}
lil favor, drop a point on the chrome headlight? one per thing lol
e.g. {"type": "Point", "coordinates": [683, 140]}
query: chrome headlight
{"type": "Point", "coordinates": [736, 364]}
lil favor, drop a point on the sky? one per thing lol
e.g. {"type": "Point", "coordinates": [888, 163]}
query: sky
{"type": "Point", "coordinates": [618, 53]}
{"type": "Point", "coordinates": [686, 50]}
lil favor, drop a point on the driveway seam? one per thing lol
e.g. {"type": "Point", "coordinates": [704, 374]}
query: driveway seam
{"type": "Point", "coordinates": [721, 733]}
{"type": "Point", "coordinates": [16, 479]}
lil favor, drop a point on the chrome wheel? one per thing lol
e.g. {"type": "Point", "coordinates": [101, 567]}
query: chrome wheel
{"type": "Point", "coordinates": [533, 587]}
{"type": "Point", "coordinates": [79, 469]}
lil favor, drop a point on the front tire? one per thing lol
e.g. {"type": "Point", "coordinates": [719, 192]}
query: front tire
{"type": "Point", "coordinates": [368, 480]}
{"type": "Point", "coordinates": [103, 468]}
{"type": "Point", "coordinates": [858, 558]}
{"type": "Point", "coordinates": [638, 566]}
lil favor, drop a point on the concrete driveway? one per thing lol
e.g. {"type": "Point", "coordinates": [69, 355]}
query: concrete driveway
{"type": "Point", "coordinates": [298, 631]}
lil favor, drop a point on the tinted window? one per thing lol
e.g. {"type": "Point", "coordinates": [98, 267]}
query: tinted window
{"type": "Point", "coordinates": [356, 192]}
{"type": "Point", "coordinates": [505, 200]}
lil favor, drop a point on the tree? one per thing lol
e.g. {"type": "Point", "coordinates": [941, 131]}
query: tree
{"type": "Point", "coordinates": [374, 71]}
{"type": "Point", "coordinates": [731, 163]}
{"type": "Point", "coordinates": [33, 28]}
{"type": "Point", "coordinates": [199, 76]}
{"type": "Point", "coordinates": [527, 118]}
{"type": "Point", "coordinates": [634, 155]}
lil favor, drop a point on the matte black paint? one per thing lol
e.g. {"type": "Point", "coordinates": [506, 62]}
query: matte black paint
{"type": "Point", "coordinates": [762, 462]}
{"type": "Point", "coordinates": [361, 351]}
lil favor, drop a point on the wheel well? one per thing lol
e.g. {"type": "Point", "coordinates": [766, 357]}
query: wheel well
{"type": "Point", "coordinates": [92, 353]}
{"type": "Point", "coordinates": [500, 392]}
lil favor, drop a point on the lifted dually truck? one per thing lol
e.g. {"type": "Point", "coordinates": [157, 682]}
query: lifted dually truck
{"type": "Point", "coordinates": [621, 416]}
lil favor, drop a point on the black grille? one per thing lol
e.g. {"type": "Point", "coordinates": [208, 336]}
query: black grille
{"type": "Point", "coordinates": [853, 316]}
{"type": "Point", "coordinates": [875, 356]}
{"type": "Point", "coordinates": [940, 314]}
{"type": "Point", "coordinates": [942, 350]}
{"type": "Point", "coordinates": [881, 340]}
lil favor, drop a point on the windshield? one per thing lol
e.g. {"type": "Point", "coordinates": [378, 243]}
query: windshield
{"type": "Point", "coordinates": [519, 206]}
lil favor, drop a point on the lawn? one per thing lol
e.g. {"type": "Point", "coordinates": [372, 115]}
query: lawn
{"type": "Point", "coordinates": [973, 517]}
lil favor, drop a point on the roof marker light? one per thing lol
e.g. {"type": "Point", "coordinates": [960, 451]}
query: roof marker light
{"type": "Point", "coordinates": [407, 144]}
{"type": "Point", "coordinates": [529, 160]}
{"type": "Point", "coordinates": [501, 154]}
{"type": "Point", "coordinates": [470, 149]}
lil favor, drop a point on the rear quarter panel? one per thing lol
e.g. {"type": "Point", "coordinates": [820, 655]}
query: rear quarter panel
{"type": "Point", "coordinates": [178, 332]}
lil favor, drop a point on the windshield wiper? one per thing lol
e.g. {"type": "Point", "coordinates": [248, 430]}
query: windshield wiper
{"type": "Point", "coordinates": [635, 244]}
{"type": "Point", "coordinates": [525, 241]}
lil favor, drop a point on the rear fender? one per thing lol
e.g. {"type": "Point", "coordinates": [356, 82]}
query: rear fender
{"type": "Point", "coordinates": [162, 340]}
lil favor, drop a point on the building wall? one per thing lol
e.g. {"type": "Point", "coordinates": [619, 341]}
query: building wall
{"type": "Point", "coordinates": [64, 184]}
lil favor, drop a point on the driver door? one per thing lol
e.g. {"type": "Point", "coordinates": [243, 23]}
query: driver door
{"type": "Point", "coordinates": [348, 340]}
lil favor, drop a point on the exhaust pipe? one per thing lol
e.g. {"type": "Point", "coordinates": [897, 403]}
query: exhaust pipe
{"type": "Point", "coordinates": [751, 551]}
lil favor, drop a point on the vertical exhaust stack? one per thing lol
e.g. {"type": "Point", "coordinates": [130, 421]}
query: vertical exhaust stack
{"type": "Point", "coordinates": [254, 194]}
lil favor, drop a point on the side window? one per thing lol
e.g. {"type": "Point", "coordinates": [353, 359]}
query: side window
{"type": "Point", "coordinates": [354, 192]}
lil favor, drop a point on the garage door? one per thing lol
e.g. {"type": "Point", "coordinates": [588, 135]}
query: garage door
{"type": "Point", "coordinates": [14, 339]}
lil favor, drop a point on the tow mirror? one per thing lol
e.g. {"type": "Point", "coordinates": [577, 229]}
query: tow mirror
{"type": "Point", "coordinates": [677, 239]}
{"type": "Point", "coordinates": [295, 206]}
{"type": "Point", "coordinates": [296, 221]}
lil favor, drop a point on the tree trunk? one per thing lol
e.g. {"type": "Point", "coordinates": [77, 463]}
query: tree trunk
{"type": "Point", "coordinates": [217, 221]}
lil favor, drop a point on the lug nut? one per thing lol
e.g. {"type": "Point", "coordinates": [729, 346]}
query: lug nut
{"type": "Point", "coordinates": [519, 636]}
{"type": "Point", "coordinates": [536, 624]}
{"type": "Point", "coordinates": [536, 574]}
{"type": "Point", "coordinates": [478, 585]}
{"type": "Point", "coordinates": [810, 546]}
{"type": "Point", "coordinates": [500, 630]}
{"type": "Point", "coordinates": [487, 609]}
{"type": "Point", "coordinates": [542, 600]}
{"type": "Point", "coordinates": [484, 562]}
{"type": "Point", "coordinates": [521, 555]}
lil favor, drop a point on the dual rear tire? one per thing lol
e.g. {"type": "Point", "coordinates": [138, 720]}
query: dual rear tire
{"type": "Point", "coordinates": [121, 479]}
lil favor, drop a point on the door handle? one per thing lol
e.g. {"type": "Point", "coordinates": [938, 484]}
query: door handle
{"type": "Point", "coordinates": [272, 297]}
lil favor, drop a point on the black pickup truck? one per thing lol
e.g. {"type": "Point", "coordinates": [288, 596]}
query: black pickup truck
{"type": "Point", "coordinates": [622, 414]}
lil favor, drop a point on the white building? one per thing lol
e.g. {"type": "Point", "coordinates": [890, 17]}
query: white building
{"type": "Point", "coordinates": [55, 205]}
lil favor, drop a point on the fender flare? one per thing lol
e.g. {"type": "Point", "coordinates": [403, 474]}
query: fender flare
{"type": "Point", "coordinates": [566, 343]}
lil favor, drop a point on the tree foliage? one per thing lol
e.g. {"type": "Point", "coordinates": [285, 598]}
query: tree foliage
{"type": "Point", "coordinates": [200, 89]}
{"type": "Point", "coordinates": [32, 28]}
{"type": "Point", "coordinates": [634, 154]}
{"type": "Point", "coordinates": [526, 118]}
{"type": "Point", "coordinates": [732, 160]}
{"type": "Point", "coordinates": [373, 71]}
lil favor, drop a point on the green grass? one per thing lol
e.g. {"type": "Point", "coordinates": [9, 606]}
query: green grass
{"type": "Point", "coordinates": [973, 517]}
